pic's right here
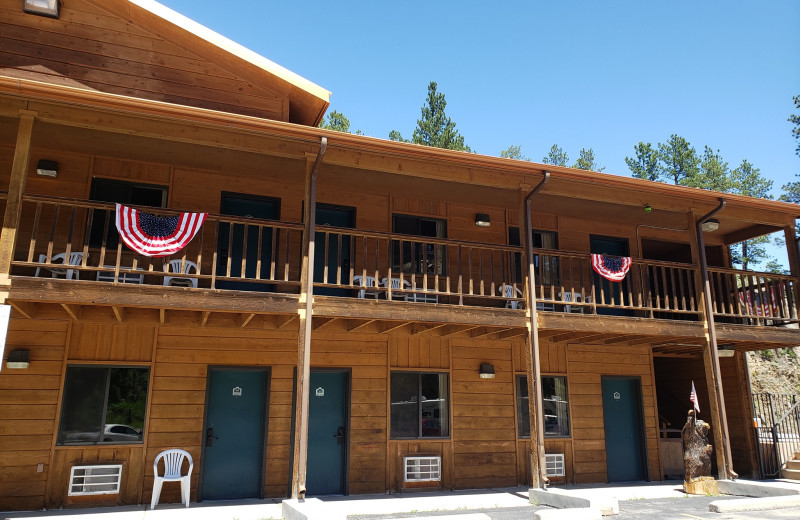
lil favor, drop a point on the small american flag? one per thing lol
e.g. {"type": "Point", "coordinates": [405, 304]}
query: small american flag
{"type": "Point", "coordinates": [153, 235]}
{"type": "Point", "coordinates": [693, 398]}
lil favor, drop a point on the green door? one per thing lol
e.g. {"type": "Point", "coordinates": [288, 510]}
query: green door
{"type": "Point", "coordinates": [327, 433]}
{"type": "Point", "coordinates": [622, 417]}
{"type": "Point", "coordinates": [234, 434]}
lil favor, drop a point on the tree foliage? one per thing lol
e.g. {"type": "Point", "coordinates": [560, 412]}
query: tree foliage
{"type": "Point", "coordinates": [712, 174]}
{"type": "Point", "coordinates": [679, 159]}
{"type": "Point", "coordinates": [586, 161]}
{"type": "Point", "coordinates": [337, 121]}
{"type": "Point", "coordinates": [791, 190]}
{"type": "Point", "coordinates": [514, 152]}
{"type": "Point", "coordinates": [795, 120]}
{"type": "Point", "coordinates": [645, 164]}
{"type": "Point", "coordinates": [556, 156]}
{"type": "Point", "coordinates": [434, 128]}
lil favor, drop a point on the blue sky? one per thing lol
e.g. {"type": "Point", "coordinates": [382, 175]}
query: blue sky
{"type": "Point", "coordinates": [604, 74]}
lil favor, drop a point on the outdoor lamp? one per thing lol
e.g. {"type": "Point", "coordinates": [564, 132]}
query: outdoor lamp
{"type": "Point", "coordinates": [18, 359]}
{"type": "Point", "coordinates": [487, 371]}
{"type": "Point", "coordinates": [482, 220]}
{"type": "Point", "coordinates": [47, 168]}
{"type": "Point", "coordinates": [709, 225]}
{"type": "Point", "coordinates": [41, 7]}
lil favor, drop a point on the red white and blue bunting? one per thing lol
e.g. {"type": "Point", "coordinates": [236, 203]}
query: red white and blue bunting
{"type": "Point", "coordinates": [612, 268]}
{"type": "Point", "coordinates": [154, 235]}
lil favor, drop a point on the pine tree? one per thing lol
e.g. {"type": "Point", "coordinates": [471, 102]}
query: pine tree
{"type": "Point", "coordinates": [645, 164]}
{"type": "Point", "coordinates": [513, 152]}
{"type": "Point", "coordinates": [586, 161]}
{"type": "Point", "coordinates": [434, 128]}
{"type": "Point", "coordinates": [678, 159]}
{"type": "Point", "coordinates": [556, 156]}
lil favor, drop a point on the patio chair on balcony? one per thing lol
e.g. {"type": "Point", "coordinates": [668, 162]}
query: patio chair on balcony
{"type": "Point", "coordinates": [173, 461]}
{"type": "Point", "coordinates": [509, 291]}
{"type": "Point", "coordinates": [367, 286]}
{"type": "Point", "coordinates": [180, 267]}
{"type": "Point", "coordinates": [394, 284]}
{"type": "Point", "coordinates": [75, 258]}
{"type": "Point", "coordinates": [574, 297]}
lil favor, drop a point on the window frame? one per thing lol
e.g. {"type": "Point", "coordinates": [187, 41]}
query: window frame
{"type": "Point", "coordinates": [518, 398]}
{"type": "Point", "coordinates": [549, 273]}
{"type": "Point", "coordinates": [108, 368]}
{"type": "Point", "coordinates": [420, 418]}
{"type": "Point", "coordinates": [419, 251]}
{"type": "Point", "coordinates": [96, 238]}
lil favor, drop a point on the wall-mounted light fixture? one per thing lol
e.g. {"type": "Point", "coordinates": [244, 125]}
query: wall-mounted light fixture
{"type": "Point", "coordinates": [41, 7]}
{"type": "Point", "coordinates": [18, 359]}
{"type": "Point", "coordinates": [487, 371]}
{"type": "Point", "coordinates": [726, 351]}
{"type": "Point", "coordinates": [47, 168]}
{"type": "Point", "coordinates": [482, 220]}
{"type": "Point", "coordinates": [647, 208]}
{"type": "Point", "coordinates": [709, 225]}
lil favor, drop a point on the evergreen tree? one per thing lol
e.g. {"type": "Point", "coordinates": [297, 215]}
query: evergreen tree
{"type": "Point", "coordinates": [586, 161]}
{"type": "Point", "coordinates": [747, 180]}
{"type": "Point", "coordinates": [434, 128]}
{"type": "Point", "coordinates": [338, 122]}
{"type": "Point", "coordinates": [556, 156]}
{"type": "Point", "coordinates": [645, 164]}
{"type": "Point", "coordinates": [513, 152]}
{"type": "Point", "coordinates": [678, 159]}
{"type": "Point", "coordinates": [792, 190]}
{"type": "Point", "coordinates": [713, 173]}
{"type": "Point", "coordinates": [795, 120]}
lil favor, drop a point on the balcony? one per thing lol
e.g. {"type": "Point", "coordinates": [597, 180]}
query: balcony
{"type": "Point", "coordinates": [78, 241]}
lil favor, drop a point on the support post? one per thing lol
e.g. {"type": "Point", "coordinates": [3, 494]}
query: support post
{"type": "Point", "coordinates": [305, 313]}
{"type": "Point", "coordinates": [16, 187]}
{"type": "Point", "coordinates": [713, 374]}
{"type": "Point", "coordinates": [532, 364]}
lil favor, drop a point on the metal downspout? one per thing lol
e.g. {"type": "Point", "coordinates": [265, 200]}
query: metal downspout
{"type": "Point", "coordinates": [534, 386]}
{"type": "Point", "coordinates": [300, 462]}
{"type": "Point", "coordinates": [712, 336]}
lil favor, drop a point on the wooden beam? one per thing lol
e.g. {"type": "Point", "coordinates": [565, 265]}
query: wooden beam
{"type": "Point", "coordinates": [389, 327]}
{"type": "Point", "coordinates": [354, 325]}
{"type": "Point", "coordinates": [16, 187]}
{"type": "Point", "coordinates": [481, 332]}
{"type": "Point", "coordinates": [452, 330]}
{"type": "Point", "coordinates": [162, 315]}
{"type": "Point", "coordinates": [283, 321]}
{"type": "Point", "coordinates": [320, 323]}
{"type": "Point", "coordinates": [420, 328]}
{"type": "Point", "coordinates": [119, 313]}
{"type": "Point", "coordinates": [73, 312]}
{"type": "Point", "coordinates": [204, 318]}
{"type": "Point", "coordinates": [511, 333]}
{"type": "Point", "coordinates": [26, 309]}
{"type": "Point", "coordinates": [244, 319]}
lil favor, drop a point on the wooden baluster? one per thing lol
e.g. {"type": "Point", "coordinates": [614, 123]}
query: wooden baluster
{"type": "Point", "coordinates": [259, 251]}
{"type": "Point", "coordinates": [214, 256]}
{"type": "Point", "coordinates": [35, 231]}
{"type": "Point", "coordinates": [339, 257]}
{"type": "Point", "coordinates": [52, 234]}
{"type": "Point", "coordinates": [245, 240]}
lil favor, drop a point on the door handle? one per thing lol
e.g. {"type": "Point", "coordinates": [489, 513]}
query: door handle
{"type": "Point", "coordinates": [340, 435]}
{"type": "Point", "coordinates": [210, 437]}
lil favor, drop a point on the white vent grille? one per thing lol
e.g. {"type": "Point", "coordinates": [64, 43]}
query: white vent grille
{"type": "Point", "coordinates": [95, 480]}
{"type": "Point", "coordinates": [422, 469]}
{"type": "Point", "coordinates": [554, 464]}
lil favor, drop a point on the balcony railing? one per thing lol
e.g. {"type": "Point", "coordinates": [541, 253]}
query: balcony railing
{"type": "Point", "coordinates": [78, 239]}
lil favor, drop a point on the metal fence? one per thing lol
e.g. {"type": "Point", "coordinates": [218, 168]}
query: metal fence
{"type": "Point", "coordinates": [777, 426]}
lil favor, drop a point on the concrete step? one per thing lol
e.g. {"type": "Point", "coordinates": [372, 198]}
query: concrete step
{"type": "Point", "coordinates": [791, 474]}
{"type": "Point", "coordinates": [793, 464]}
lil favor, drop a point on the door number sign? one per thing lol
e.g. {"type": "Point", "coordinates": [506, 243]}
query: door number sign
{"type": "Point", "coordinates": [237, 391]}
{"type": "Point", "coordinates": [617, 397]}
{"type": "Point", "coordinates": [319, 392]}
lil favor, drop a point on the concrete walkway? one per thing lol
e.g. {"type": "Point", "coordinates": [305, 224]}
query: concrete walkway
{"type": "Point", "coordinates": [366, 505]}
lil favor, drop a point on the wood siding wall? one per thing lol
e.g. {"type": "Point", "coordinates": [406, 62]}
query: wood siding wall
{"type": "Point", "coordinates": [90, 48]}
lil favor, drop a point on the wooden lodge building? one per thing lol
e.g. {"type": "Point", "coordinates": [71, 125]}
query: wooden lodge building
{"type": "Point", "coordinates": [354, 315]}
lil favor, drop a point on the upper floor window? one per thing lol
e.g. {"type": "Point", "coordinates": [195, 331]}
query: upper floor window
{"type": "Point", "coordinates": [103, 405]}
{"type": "Point", "coordinates": [419, 257]}
{"type": "Point", "coordinates": [555, 406]}
{"type": "Point", "coordinates": [420, 405]}
{"type": "Point", "coordinates": [123, 192]}
{"type": "Point", "coordinates": [546, 266]}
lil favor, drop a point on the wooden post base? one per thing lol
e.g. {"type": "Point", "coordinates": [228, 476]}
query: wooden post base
{"type": "Point", "coordinates": [701, 486]}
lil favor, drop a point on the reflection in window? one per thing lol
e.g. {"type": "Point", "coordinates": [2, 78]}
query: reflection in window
{"type": "Point", "coordinates": [546, 266]}
{"type": "Point", "coordinates": [419, 405]}
{"type": "Point", "coordinates": [418, 257]}
{"type": "Point", "coordinates": [555, 407]}
{"type": "Point", "coordinates": [103, 405]}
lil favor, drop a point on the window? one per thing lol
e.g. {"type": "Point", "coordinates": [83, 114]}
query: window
{"type": "Point", "coordinates": [546, 266]}
{"type": "Point", "coordinates": [418, 257]}
{"type": "Point", "coordinates": [555, 407]}
{"type": "Point", "coordinates": [103, 405]}
{"type": "Point", "coordinates": [124, 192]}
{"type": "Point", "coordinates": [419, 405]}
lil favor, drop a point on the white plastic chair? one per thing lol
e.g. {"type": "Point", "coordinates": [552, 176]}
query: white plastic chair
{"type": "Point", "coordinates": [367, 287]}
{"type": "Point", "coordinates": [75, 258]}
{"type": "Point", "coordinates": [509, 292]}
{"type": "Point", "coordinates": [174, 266]}
{"type": "Point", "coordinates": [394, 283]}
{"type": "Point", "coordinates": [173, 460]}
{"type": "Point", "coordinates": [574, 297]}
